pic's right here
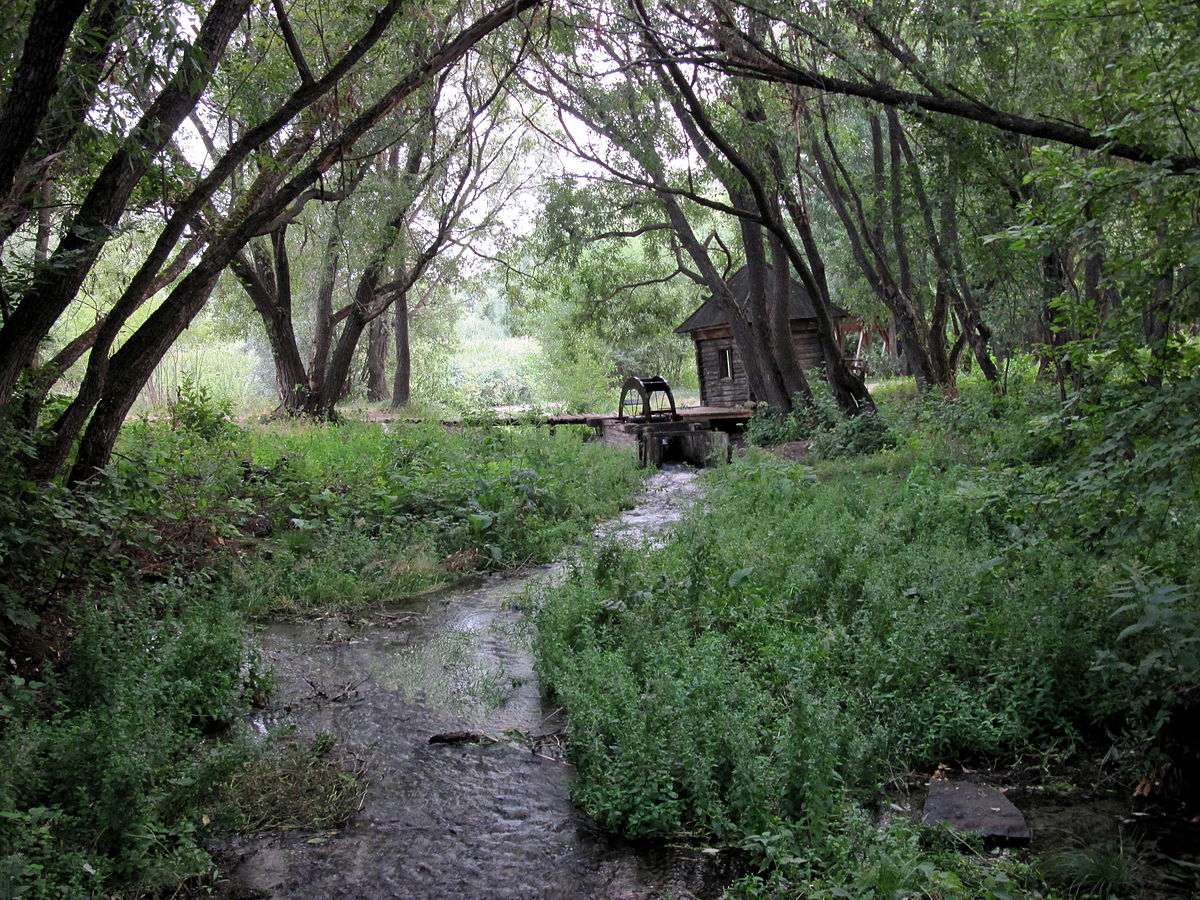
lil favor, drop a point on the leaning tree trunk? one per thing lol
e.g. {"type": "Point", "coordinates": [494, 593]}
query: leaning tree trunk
{"type": "Point", "coordinates": [132, 365]}
{"type": "Point", "coordinates": [849, 390]}
{"type": "Point", "coordinates": [781, 325]}
{"type": "Point", "coordinates": [763, 348]}
{"type": "Point", "coordinates": [56, 284]}
{"type": "Point", "coordinates": [34, 81]}
{"type": "Point", "coordinates": [68, 112]}
{"type": "Point", "coordinates": [863, 238]}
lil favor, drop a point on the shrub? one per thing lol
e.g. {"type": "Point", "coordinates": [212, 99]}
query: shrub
{"type": "Point", "coordinates": [830, 431]}
{"type": "Point", "coordinates": [197, 412]}
{"type": "Point", "coordinates": [103, 766]}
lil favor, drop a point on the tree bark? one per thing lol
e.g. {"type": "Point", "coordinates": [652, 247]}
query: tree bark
{"type": "Point", "coordinates": [848, 388]}
{"type": "Point", "coordinates": [849, 391]}
{"type": "Point", "coordinates": [795, 382]}
{"type": "Point", "coordinates": [935, 332]}
{"type": "Point", "coordinates": [342, 358]}
{"type": "Point", "coordinates": [402, 380]}
{"type": "Point", "coordinates": [69, 108]}
{"type": "Point", "coordinates": [976, 333]}
{"type": "Point", "coordinates": [34, 82]}
{"type": "Point", "coordinates": [1156, 320]}
{"type": "Point", "coordinates": [377, 348]}
{"type": "Point", "coordinates": [759, 316]}
{"type": "Point", "coordinates": [318, 360]}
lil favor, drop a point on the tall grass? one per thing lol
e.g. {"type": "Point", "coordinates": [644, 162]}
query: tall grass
{"type": "Point", "coordinates": [362, 515]}
{"type": "Point", "coordinates": [811, 629]}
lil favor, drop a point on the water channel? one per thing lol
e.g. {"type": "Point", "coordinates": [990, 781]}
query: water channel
{"type": "Point", "coordinates": [452, 820]}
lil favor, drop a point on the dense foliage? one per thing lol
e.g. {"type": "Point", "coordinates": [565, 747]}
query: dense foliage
{"type": "Point", "coordinates": [126, 609]}
{"type": "Point", "coordinates": [997, 583]}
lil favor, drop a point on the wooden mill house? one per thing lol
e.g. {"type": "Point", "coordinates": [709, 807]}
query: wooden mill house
{"type": "Point", "coordinates": [719, 363]}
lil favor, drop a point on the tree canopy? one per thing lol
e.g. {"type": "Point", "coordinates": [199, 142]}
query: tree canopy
{"type": "Point", "coordinates": [970, 182]}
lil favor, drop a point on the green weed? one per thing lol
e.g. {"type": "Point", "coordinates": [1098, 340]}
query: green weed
{"type": "Point", "coordinates": [1102, 871]}
{"type": "Point", "coordinates": [302, 784]}
{"type": "Point", "coordinates": [950, 597]}
{"type": "Point", "coordinates": [363, 516]}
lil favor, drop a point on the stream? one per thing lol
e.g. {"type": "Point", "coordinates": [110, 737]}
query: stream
{"type": "Point", "coordinates": [452, 820]}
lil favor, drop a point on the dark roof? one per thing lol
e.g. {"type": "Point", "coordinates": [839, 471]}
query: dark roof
{"type": "Point", "coordinates": [710, 314]}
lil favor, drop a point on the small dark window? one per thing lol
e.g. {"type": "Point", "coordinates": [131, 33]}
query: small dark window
{"type": "Point", "coordinates": [725, 363]}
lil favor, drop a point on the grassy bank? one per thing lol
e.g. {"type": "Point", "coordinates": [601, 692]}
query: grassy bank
{"type": "Point", "coordinates": [127, 671]}
{"type": "Point", "coordinates": [378, 515]}
{"type": "Point", "coordinates": [999, 578]}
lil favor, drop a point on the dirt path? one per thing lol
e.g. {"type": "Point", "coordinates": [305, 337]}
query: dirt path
{"type": "Point", "coordinates": [458, 820]}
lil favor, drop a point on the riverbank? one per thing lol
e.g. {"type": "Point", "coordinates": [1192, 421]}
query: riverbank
{"type": "Point", "coordinates": [465, 783]}
{"type": "Point", "coordinates": [128, 675]}
{"type": "Point", "coordinates": [977, 598]}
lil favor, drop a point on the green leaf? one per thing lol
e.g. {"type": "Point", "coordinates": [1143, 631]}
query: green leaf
{"type": "Point", "coordinates": [739, 576]}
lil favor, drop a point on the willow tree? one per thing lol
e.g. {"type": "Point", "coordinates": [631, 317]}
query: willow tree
{"type": "Point", "coordinates": [308, 128]}
{"type": "Point", "coordinates": [654, 128]}
{"type": "Point", "coordinates": [1097, 149]}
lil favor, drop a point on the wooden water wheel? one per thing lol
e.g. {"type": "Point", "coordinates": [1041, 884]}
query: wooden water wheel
{"type": "Point", "coordinates": [647, 400]}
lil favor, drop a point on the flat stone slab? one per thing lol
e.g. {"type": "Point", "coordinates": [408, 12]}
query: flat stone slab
{"type": "Point", "coordinates": [976, 809]}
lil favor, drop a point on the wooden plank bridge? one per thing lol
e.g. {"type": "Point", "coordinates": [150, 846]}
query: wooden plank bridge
{"type": "Point", "coordinates": [647, 421]}
{"type": "Point", "coordinates": [695, 434]}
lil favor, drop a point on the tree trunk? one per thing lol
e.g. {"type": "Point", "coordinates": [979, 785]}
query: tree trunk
{"type": "Point", "coordinates": [402, 382]}
{"type": "Point", "coordinates": [133, 364]}
{"type": "Point", "coordinates": [1056, 326]}
{"type": "Point", "coordinates": [795, 383]}
{"type": "Point", "coordinates": [1156, 320]}
{"type": "Point", "coordinates": [361, 313]}
{"type": "Point", "coordinates": [976, 333]}
{"type": "Point", "coordinates": [872, 259]}
{"type": "Point", "coordinates": [758, 315]}
{"type": "Point", "coordinates": [341, 360]}
{"type": "Point", "coordinates": [56, 284]}
{"type": "Point", "coordinates": [318, 360]}
{"type": "Point", "coordinates": [849, 390]}
{"type": "Point", "coordinates": [712, 279]}
{"type": "Point", "coordinates": [69, 108]}
{"type": "Point", "coordinates": [377, 348]}
{"type": "Point", "coordinates": [269, 289]}
{"type": "Point", "coordinates": [34, 82]}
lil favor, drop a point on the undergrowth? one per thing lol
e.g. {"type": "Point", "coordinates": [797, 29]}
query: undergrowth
{"type": "Point", "coordinates": [358, 515]}
{"type": "Point", "coordinates": [1007, 575]}
{"type": "Point", "coordinates": [124, 605]}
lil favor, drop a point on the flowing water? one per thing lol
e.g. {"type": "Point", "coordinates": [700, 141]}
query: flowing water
{"type": "Point", "coordinates": [485, 819]}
